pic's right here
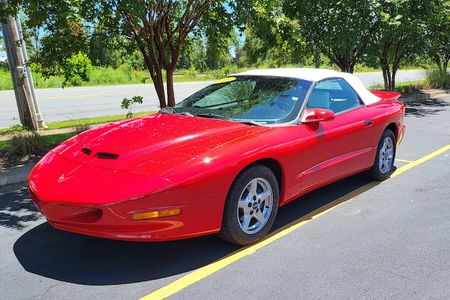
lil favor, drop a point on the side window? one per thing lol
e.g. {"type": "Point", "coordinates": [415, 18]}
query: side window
{"type": "Point", "coordinates": [333, 94]}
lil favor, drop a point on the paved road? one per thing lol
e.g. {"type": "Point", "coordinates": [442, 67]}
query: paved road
{"type": "Point", "coordinates": [390, 241]}
{"type": "Point", "coordinates": [73, 103]}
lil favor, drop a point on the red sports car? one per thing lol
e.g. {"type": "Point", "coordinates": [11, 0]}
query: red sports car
{"type": "Point", "coordinates": [221, 161]}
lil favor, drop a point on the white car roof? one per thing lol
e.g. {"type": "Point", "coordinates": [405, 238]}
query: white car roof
{"type": "Point", "coordinates": [315, 75]}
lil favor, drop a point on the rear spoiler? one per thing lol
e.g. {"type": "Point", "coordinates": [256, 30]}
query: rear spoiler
{"type": "Point", "coordinates": [384, 95]}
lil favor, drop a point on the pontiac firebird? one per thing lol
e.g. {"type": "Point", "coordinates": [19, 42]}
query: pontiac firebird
{"type": "Point", "coordinates": [221, 161]}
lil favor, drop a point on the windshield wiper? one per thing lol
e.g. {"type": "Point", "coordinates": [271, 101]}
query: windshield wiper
{"type": "Point", "coordinates": [249, 122]}
{"type": "Point", "coordinates": [214, 116]}
{"type": "Point", "coordinates": [184, 113]}
{"type": "Point", "coordinates": [169, 110]}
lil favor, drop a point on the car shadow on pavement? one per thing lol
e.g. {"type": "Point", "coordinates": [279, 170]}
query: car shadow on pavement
{"type": "Point", "coordinates": [426, 107]}
{"type": "Point", "coordinates": [80, 259]}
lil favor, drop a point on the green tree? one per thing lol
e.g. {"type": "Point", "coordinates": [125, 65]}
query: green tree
{"type": "Point", "coordinates": [400, 34]}
{"type": "Point", "coordinates": [270, 35]}
{"type": "Point", "coordinates": [58, 30]}
{"type": "Point", "coordinates": [157, 28]}
{"type": "Point", "coordinates": [106, 49]}
{"type": "Point", "coordinates": [341, 30]}
{"type": "Point", "coordinates": [77, 68]}
{"type": "Point", "coordinates": [437, 35]}
{"type": "Point", "coordinates": [197, 55]}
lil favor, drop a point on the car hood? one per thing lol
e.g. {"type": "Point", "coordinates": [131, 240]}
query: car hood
{"type": "Point", "coordinates": [154, 144]}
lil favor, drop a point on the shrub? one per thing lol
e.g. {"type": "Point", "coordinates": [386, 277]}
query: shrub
{"type": "Point", "coordinates": [190, 73]}
{"type": "Point", "coordinates": [77, 68]}
{"type": "Point", "coordinates": [26, 144]}
{"type": "Point", "coordinates": [130, 103]}
{"type": "Point", "coordinates": [438, 79]}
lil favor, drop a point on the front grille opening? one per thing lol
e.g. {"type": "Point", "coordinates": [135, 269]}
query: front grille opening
{"type": "Point", "coordinates": [107, 155]}
{"type": "Point", "coordinates": [87, 215]}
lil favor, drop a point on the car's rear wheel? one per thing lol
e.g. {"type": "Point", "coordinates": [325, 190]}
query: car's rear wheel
{"type": "Point", "coordinates": [251, 206]}
{"type": "Point", "coordinates": [384, 161]}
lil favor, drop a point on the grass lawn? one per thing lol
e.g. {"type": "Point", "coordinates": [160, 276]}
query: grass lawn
{"type": "Point", "coordinates": [74, 123]}
{"type": "Point", "coordinates": [92, 121]}
{"type": "Point", "coordinates": [407, 87]}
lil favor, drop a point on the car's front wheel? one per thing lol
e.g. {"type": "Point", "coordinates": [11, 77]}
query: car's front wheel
{"type": "Point", "coordinates": [384, 161]}
{"type": "Point", "coordinates": [251, 206]}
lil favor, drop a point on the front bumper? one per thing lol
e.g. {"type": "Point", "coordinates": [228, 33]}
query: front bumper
{"type": "Point", "coordinates": [114, 221]}
{"type": "Point", "coordinates": [101, 203]}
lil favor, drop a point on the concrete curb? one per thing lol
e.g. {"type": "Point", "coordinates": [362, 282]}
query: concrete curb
{"type": "Point", "coordinates": [425, 95]}
{"type": "Point", "coordinates": [15, 174]}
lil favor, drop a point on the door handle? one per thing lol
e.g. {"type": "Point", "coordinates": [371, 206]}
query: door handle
{"type": "Point", "coordinates": [368, 122]}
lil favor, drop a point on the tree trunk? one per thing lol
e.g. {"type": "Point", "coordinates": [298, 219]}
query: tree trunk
{"type": "Point", "coordinates": [346, 67]}
{"type": "Point", "coordinates": [394, 73]}
{"type": "Point", "coordinates": [385, 78]}
{"type": "Point", "coordinates": [158, 82]}
{"type": "Point", "coordinates": [170, 87]}
{"type": "Point", "coordinates": [317, 61]}
{"type": "Point", "coordinates": [439, 63]}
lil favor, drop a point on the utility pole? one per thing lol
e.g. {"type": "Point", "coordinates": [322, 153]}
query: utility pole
{"type": "Point", "coordinates": [21, 76]}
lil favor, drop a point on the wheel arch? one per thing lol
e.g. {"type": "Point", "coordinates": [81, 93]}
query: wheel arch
{"type": "Point", "coordinates": [393, 127]}
{"type": "Point", "coordinates": [275, 166]}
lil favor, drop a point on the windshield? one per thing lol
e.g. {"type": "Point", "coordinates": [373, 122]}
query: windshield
{"type": "Point", "coordinates": [258, 99]}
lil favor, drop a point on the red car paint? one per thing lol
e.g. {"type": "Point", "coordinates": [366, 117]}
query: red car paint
{"type": "Point", "coordinates": [94, 182]}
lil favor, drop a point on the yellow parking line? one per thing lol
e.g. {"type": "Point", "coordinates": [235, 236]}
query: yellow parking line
{"type": "Point", "coordinates": [201, 273]}
{"type": "Point", "coordinates": [420, 161]}
{"type": "Point", "coordinates": [404, 160]}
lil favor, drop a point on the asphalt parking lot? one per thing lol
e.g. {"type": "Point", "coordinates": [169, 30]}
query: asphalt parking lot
{"type": "Point", "coordinates": [352, 239]}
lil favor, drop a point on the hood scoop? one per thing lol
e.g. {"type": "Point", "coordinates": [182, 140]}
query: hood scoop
{"type": "Point", "coordinates": [86, 151]}
{"type": "Point", "coordinates": [107, 155]}
{"type": "Point", "coordinates": [103, 155]}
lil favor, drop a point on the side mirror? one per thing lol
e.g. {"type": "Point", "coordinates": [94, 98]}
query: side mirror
{"type": "Point", "coordinates": [316, 115]}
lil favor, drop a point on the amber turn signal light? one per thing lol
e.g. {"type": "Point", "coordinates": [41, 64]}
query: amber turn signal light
{"type": "Point", "coordinates": [156, 214]}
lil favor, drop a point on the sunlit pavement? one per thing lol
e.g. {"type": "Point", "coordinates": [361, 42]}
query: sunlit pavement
{"type": "Point", "coordinates": [387, 240]}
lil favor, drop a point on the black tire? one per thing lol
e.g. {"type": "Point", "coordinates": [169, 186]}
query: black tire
{"type": "Point", "coordinates": [375, 173]}
{"type": "Point", "coordinates": [231, 230]}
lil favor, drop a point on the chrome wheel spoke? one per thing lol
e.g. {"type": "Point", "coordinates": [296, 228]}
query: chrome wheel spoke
{"type": "Point", "coordinates": [386, 155]}
{"type": "Point", "coordinates": [253, 187]}
{"type": "Point", "coordinates": [264, 196]}
{"type": "Point", "coordinates": [259, 216]}
{"type": "Point", "coordinates": [255, 206]}
{"type": "Point", "coordinates": [244, 203]}
{"type": "Point", "coordinates": [245, 222]}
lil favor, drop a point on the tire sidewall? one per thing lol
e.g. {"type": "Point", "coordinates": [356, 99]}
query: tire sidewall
{"type": "Point", "coordinates": [230, 228]}
{"type": "Point", "coordinates": [376, 172]}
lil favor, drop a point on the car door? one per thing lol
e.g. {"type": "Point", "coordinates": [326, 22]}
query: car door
{"type": "Point", "coordinates": [335, 148]}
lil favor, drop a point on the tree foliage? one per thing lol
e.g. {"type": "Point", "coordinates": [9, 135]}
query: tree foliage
{"type": "Point", "coordinates": [437, 35]}
{"type": "Point", "coordinates": [400, 35]}
{"type": "Point", "coordinates": [200, 35]}
{"type": "Point", "coordinates": [339, 29]}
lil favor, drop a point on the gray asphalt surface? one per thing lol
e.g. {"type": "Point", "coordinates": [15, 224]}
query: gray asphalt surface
{"type": "Point", "coordinates": [391, 241]}
{"type": "Point", "coordinates": [82, 102]}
